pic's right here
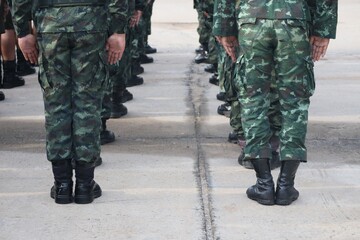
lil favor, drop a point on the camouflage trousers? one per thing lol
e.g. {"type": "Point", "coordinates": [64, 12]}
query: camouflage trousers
{"type": "Point", "coordinates": [226, 71]}
{"type": "Point", "coordinates": [119, 73]}
{"type": "Point", "coordinates": [281, 46]}
{"type": "Point", "coordinates": [72, 71]}
{"type": "Point", "coordinates": [147, 21]}
{"type": "Point", "coordinates": [203, 30]}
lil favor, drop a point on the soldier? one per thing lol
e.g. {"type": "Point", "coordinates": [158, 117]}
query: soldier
{"type": "Point", "coordinates": [147, 27]}
{"type": "Point", "coordinates": [76, 40]}
{"type": "Point", "coordinates": [285, 38]}
{"type": "Point", "coordinates": [11, 78]}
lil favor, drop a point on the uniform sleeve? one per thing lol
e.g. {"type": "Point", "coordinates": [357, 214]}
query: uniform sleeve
{"type": "Point", "coordinates": [224, 18]}
{"type": "Point", "coordinates": [21, 11]}
{"type": "Point", "coordinates": [325, 18]}
{"type": "Point", "coordinates": [118, 16]}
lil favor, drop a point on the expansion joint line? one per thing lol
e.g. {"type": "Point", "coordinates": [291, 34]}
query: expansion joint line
{"type": "Point", "coordinates": [195, 95]}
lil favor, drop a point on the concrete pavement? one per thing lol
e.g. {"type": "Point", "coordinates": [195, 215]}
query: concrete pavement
{"type": "Point", "coordinates": [171, 174]}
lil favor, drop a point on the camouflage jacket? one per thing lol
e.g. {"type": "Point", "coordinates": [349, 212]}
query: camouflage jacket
{"type": "Point", "coordinates": [205, 6]}
{"type": "Point", "coordinates": [321, 14]}
{"type": "Point", "coordinates": [111, 18]}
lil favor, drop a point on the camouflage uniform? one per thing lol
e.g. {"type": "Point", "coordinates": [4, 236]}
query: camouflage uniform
{"type": "Point", "coordinates": [204, 34]}
{"type": "Point", "coordinates": [146, 18]}
{"type": "Point", "coordinates": [72, 71]}
{"type": "Point", "coordinates": [276, 36]}
{"type": "Point", "coordinates": [226, 77]}
{"type": "Point", "coordinates": [121, 72]}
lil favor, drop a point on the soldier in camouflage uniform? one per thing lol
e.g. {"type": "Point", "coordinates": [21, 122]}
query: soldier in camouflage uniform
{"type": "Point", "coordinates": [201, 29]}
{"type": "Point", "coordinates": [73, 37]}
{"type": "Point", "coordinates": [123, 74]}
{"type": "Point", "coordinates": [147, 27]}
{"type": "Point", "coordinates": [285, 37]}
{"type": "Point", "coordinates": [205, 9]}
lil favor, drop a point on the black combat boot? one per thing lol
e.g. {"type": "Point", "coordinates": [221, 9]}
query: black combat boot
{"type": "Point", "coordinates": [201, 57]}
{"type": "Point", "coordinates": [126, 96]}
{"type": "Point", "coordinates": [23, 67]}
{"type": "Point", "coordinates": [211, 68]}
{"type": "Point", "coordinates": [117, 108]}
{"type": "Point", "coordinates": [136, 68]}
{"type": "Point", "coordinates": [214, 79]}
{"type": "Point", "coordinates": [86, 189]}
{"type": "Point", "coordinates": [144, 59]}
{"type": "Point", "coordinates": [134, 81]}
{"type": "Point", "coordinates": [106, 136]}
{"type": "Point", "coordinates": [221, 96]}
{"type": "Point", "coordinates": [11, 79]}
{"type": "Point", "coordinates": [224, 109]}
{"type": "Point", "coordinates": [2, 96]}
{"type": "Point", "coordinates": [200, 48]}
{"type": "Point", "coordinates": [62, 191]}
{"type": "Point", "coordinates": [149, 49]}
{"type": "Point", "coordinates": [263, 191]}
{"type": "Point", "coordinates": [285, 191]}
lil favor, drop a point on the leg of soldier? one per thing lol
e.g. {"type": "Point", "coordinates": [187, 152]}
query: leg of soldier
{"type": "Point", "coordinates": [118, 81]}
{"type": "Point", "coordinates": [213, 51]}
{"type": "Point", "coordinates": [275, 120]}
{"type": "Point", "coordinates": [8, 40]}
{"type": "Point", "coordinates": [55, 81]}
{"type": "Point", "coordinates": [203, 34]}
{"type": "Point", "coordinates": [148, 14]}
{"type": "Point", "coordinates": [221, 67]}
{"type": "Point", "coordinates": [296, 85]}
{"type": "Point", "coordinates": [86, 106]}
{"type": "Point", "coordinates": [106, 136]}
{"type": "Point", "coordinates": [256, 64]}
{"type": "Point", "coordinates": [141, 32]}
{"type": "Point", "coordinates": [134, 50]}
{"type": "Point", "coordinates": [204, 37]}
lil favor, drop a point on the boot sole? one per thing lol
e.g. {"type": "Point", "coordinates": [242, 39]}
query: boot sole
{"type": "Point", "coordinates": [263, 201]}
{"type": "Point", "coordinates": [285, 202]}
{"type": "Point", "coordinates": [85, 199]}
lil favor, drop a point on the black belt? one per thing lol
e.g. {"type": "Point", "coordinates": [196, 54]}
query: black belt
{"type": "Point", "coordinates": [69, 3]}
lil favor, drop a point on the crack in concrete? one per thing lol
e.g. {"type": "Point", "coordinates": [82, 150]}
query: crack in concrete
{"type": "Point", "coordinates": [196, 95]}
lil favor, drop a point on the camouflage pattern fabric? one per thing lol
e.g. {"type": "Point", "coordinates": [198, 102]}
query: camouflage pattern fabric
{"type": "Point", "coordinates": [147, 20]}
{"type": "Point", "coordinates": [274, 36]}
{"type": "Point", "coordinates": [321, 14]}
{"type": "Point", "coordinates": [203, 31]}
{"type": "Point", "coordinates": [72, 95]}
{"type": "Point", "coordinates": [72, 71]}
{"type": "Point", "coordinates": [221, 66]}
{"type": "Point", "coordinates": [294, 80]}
